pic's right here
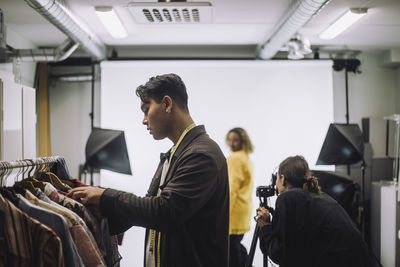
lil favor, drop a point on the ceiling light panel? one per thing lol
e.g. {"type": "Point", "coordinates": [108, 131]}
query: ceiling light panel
{"type": "Point", "coordinates": [342, 23]}
{"type": "Point", "coordinates": [171, 12]}
{"type": "Point", "coordinates": [111, 21]}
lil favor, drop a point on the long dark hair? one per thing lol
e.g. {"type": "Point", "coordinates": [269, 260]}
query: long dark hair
{"type": "Point", "coordinates": [297, 174]}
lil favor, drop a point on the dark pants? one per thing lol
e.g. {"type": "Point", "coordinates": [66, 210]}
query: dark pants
{"type": "Point", "coordinates": [237, 252]}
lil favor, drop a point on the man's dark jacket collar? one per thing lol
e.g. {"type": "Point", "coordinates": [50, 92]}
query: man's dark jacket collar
{"type": "Point", "coordinates": [192, 134]}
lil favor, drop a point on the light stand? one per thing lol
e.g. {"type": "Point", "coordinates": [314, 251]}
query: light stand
{"type": "Point", "coordinates": [349, 65]}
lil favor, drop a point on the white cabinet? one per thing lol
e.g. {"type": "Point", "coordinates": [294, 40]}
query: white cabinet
{"type": "Point", "coordinates": [385, 223]}
{"type": "Point", "coordinates": [17, 120]}
{"type": "Point", "coordinates": [12, 121]}
{"type": "Point", "coordinates": [29, 123]}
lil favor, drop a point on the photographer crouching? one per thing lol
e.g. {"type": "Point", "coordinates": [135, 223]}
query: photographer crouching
{"type": "Point", "coordinates": [308, 227]}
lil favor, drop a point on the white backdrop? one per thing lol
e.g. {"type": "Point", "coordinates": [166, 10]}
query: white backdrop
{"type": "Point", "coordinates": [286, 107]}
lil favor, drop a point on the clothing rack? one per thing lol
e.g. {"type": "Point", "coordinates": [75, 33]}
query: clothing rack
{"type": "Point", "coordinates": [25, 165]}
{"type": "Point", "coordinates": [59, 226]}
{"type": "Point", "coordinates": [28, 163]}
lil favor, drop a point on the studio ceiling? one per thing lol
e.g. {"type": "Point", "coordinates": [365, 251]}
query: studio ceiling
{"type": "Point", "coordinates": [234, 22]}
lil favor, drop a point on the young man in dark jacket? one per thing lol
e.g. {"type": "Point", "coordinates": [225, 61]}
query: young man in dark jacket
{"type": "Point", "coordinates": [186, 209]}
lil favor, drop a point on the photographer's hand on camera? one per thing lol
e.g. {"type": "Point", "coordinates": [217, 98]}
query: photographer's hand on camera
{"type": "Point", "coordinates": [263, 217]}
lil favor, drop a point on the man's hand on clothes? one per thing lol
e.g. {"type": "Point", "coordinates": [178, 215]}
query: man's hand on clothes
{"type": "Point", "coordinates": [263, 217]}
{"type": "Point", "coordinates": [88, 195]}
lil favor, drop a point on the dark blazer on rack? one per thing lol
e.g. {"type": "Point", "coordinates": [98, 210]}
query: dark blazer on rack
{"type": "Point", "coordinates": [192, 210]}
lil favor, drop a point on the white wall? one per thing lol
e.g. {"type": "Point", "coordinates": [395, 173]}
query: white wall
{"type": "Point", "coordinates": [69, 121]}
{"type": "Point", "coordinates": [286, 106]}
{"type": "Point", "coordinates": [70, 106]}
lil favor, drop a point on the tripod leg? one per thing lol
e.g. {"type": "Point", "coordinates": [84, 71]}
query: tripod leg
{"type": "Point", "coordinates": [265, 260]}
{"type": "Point", "coordinates": [250, 258]}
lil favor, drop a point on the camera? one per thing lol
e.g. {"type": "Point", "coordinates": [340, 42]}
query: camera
{"type": "Point", "coordinates": [267, 191]}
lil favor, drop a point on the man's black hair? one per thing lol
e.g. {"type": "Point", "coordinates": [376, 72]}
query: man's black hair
{"type": "Point", "coordinates": [159, 86]}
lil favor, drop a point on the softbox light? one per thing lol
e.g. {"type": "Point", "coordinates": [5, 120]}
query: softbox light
{"type": "Point", "coordinates": [106, 149]}
{"type": "Point", "coordinates": [343, 145]}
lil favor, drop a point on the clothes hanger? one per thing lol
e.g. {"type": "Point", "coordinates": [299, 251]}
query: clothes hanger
{"type": "Point", "coordinates": [7, 172]}
{"type": "Point", "coordinates": [27, 185]}
{"type": "Point", "coordinates": [3, 173]}
{"type": "Point", "coordinates": [33, 163]}
{"type": "Point", "coordinates": [31, 185]}
{"type": "Point", "coordinates": [47, 176]}
{"type": "Point", "coordinates": [2, 169]}
{"type": "Point", "coordinates": [7, 192]}
{"type": "Point", "coordinates": [38, 166]}
{"type": "Point", "coordinates": [56, 181]}
{"type": "Point", "coordinates": [39, 172]}
{"type": "Point", "coordinates": [22, 183]}
{"type": "Point", "coordinates": [39, 175]}
{"type": "Point", "coordinates": [26, 168]}
{"type": "Point", "coordinates": [20, 170]}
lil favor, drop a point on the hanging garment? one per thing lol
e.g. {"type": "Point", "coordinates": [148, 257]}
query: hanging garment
{"type": "Point", "coordinates": [40, 195]}
{"type": "Point", "coordinates": [58, 224]}
{"type": "Point", "coordinates": [53, 179]}
{"type": "Point", "coordinates": [111, 245]}
{"type": "Point", "coordinates": [86, 247]}
{"type": "Point", "coordinates": [24, 241]}
{"type": "Point", "coordinates": [110, 242]}
{"type": "Point", "coordinates": [86, 234]}
{"type": "Point", "coordinates": [60, 168]}
{"type": "Point", "coordinates": [73, 182]}
{"type": "Point", "coordinates": [80, 210]}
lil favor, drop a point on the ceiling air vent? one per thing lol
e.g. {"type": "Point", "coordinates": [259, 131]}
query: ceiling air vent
{"type": "Point", "coordinates": [171, 12]}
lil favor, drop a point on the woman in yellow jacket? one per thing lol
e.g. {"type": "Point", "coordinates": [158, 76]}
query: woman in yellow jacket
{"type": "Point", "coordinates": [240, 172]}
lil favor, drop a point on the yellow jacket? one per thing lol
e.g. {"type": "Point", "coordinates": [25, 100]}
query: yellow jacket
{"type": "Point", "coordinates": [240, 173]}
